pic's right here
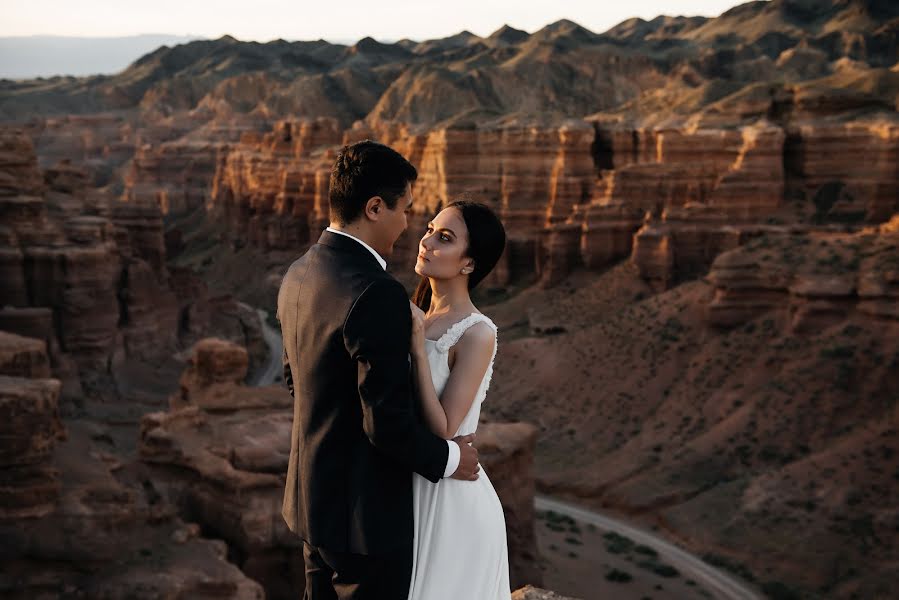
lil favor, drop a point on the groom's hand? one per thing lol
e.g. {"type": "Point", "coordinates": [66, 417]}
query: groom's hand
{"type": "Point", "coordinates": [468, 459]}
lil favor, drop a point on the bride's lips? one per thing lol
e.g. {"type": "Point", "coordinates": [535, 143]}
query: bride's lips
{"type": "Point", "coordinates": [422, 257]}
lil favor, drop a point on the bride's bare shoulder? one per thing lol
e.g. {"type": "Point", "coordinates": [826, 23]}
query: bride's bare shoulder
{"type": "Point", "coordinates": [480, 335]}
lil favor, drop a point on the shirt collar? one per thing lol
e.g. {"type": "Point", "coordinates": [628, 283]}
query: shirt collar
{"type": "Point", "coordinates": [374, 252]}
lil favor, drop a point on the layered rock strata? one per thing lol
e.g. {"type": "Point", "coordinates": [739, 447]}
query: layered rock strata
{"type": "Point", "coordinates": [220, 454]}
{"type": "Point", "coordinates": [815, 279]}
{"type": "Point", "coordinates": [85, 275]}
{"type": "Point", "coordinates": [272, 190]}
{"type": "Point", "coordinates": [70, 528]}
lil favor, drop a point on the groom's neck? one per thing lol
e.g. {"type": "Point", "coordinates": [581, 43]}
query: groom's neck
{"type": "Point", "coordinates": [357, 230]}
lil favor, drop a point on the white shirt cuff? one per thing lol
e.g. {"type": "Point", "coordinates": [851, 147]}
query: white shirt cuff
{"type": "Point", "coordinates": [452, 461]}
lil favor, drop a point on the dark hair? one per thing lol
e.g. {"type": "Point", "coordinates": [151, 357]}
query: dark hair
{"type": "Point", "coordinates": [486, 242]}
{"type": "Point", "coordinates": [363, 170]}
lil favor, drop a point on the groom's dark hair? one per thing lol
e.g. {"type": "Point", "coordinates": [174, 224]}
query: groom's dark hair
{"type": "Point", "coordinates": [363, 170]}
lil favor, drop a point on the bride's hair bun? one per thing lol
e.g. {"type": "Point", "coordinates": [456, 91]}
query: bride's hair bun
{"type": "Point", "coordinates": [486, 237]}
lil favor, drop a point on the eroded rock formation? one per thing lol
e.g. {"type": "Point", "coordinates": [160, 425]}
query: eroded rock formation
{"type": "Point", "coordinates": [729, 411]}
{"type": "Point", "coordinates": [816, 279]}
{"type": "Point", "coordinates": [87, 275]}
{"type": "Point", "coordinates": [220, 454]}
{"type": "Point", "coordinates": [70, 528]}
{"type": "Point", "coordinates": [507, 455]}
{"type": "Point", "coordinates": [271, 190]}
{"type": "Point", "coordinates": [532, 593]}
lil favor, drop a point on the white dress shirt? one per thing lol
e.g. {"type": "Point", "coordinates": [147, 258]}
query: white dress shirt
{"type": "Point", "coordinates": [452, 462]}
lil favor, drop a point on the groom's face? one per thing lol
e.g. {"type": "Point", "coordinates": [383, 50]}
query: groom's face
{"type": "Point", "coordinates": [393, 222]}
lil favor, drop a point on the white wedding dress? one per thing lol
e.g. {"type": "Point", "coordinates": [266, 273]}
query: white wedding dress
{"type": "Point", "coordinates": [459, 548]}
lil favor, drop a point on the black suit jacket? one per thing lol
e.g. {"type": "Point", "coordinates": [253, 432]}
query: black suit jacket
{"type": "Point", "coordinates": [355, 438]}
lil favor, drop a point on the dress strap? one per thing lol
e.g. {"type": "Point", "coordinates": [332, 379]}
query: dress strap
{"type": "Point", "coordinates": [455, 333]}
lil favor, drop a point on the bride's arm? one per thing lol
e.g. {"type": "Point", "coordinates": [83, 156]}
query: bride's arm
{"type": "Point", "coordinates": [473, 352]}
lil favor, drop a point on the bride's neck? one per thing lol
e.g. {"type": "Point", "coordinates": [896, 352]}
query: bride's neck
{"type": "Point", "coordinates": [448, 295]}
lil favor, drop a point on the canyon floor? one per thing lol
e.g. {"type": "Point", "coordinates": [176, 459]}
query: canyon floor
{"type": "Point", "coordinates": [760, 447]}
{"type": "Point", "coordinates": [584, 560]}
{"type": "Point", "coordinates": [698, 307]}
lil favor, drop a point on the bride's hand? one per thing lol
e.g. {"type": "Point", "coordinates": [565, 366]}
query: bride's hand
{"type": "Point", "coordinates": [417, 343]}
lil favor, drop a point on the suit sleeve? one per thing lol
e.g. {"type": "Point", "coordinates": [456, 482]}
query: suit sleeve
{"type": "Point", "coordinates": [376, 334]}
{"type": "Point", "coordinates": [286, 375]}
{"type": "Point", "coordinates": [285, 369]}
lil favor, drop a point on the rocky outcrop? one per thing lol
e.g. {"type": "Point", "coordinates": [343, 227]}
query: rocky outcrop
{"type": "Point", "coordinates": [696, 190]}
{"type": "Point", "coordinates": [531, 593]}
{"type": "Point", "coordinates": [85, 275]}
{"type": "Point", "coordinates": [507, 454]}
{"type": "Point", "coordinates": [29, 413]}
{"type": "Point", "coordinates": [220, 454]}
{"type": "Point", "coordinates": [37, 323]}
{"type": "Point", "coordinates": [531, 176]}
{"type": "Point", "coordinates": [23, 357]}
{"type": "Point", "coordinates": [750, 149]}
{"type": "Point", "coordinates": [814, 279]}
{"type": "Point", "coordinates": [671, 198]}
{"type": "Point", "coordinates": [731, 412]}
{"type": "Point", "coordinates": [173, 177]}
{"type": "Point", "coordinates": [71, 266]}
{"type": "Point", "coordinates": [70, 528]}
{"type": "Point", "coordinates": [846, 171]}
{"type": "Point", "coordinates": [212, 380]}
{"type": "Point", "coordinates": [97, 143]}
{"type": "Point", "coordinates": [272, 190]}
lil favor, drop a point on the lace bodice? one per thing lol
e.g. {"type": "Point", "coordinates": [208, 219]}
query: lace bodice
{"type": "Point", "coordinates": [438, 352]}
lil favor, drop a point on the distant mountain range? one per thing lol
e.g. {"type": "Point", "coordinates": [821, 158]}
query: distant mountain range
{"type": "Point", "coordinates": [27, 57]}
{"type": "Point", "coordinates": [660, 70]}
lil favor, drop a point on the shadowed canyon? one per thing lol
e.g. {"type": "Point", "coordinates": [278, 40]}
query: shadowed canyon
{"type": "Point", "coordinates": [698, 306]}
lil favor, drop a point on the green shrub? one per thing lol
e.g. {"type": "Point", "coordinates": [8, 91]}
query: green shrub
{"type": "Point", "coordinates": [618, 576]}
{"type": "Point", "coordinates": [660, 569]}
{"type": "Point", "coordinates": [617, 544]}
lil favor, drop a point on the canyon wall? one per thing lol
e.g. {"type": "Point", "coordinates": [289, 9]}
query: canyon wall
{"type": "Point", "coordinates": [220, 454]}
{"type": "Point", "coordinates": [584, 193]}
{"type": "Point", "coordinates": [70, 527]}
{"type": "Point", "coordinates": [87, 274]}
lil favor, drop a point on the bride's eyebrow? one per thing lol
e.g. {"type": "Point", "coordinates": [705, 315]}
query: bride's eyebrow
{"type": "Point", "coordinates": [431, 224]}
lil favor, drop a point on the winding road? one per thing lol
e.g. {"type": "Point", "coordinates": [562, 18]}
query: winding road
{"type": "Point", "coordinates": [719, 583]}
{"type": "Point", "coordinates": [722, 585]}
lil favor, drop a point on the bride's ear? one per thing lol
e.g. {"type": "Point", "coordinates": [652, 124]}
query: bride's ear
{"type": "Point", "coordinates": [468, 269]}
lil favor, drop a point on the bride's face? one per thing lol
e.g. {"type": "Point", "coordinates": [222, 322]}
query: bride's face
{"type": "Point", "coordinates": [441, 252]}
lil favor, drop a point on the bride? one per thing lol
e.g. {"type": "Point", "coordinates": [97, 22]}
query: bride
{"type": "Point", "coordinates": [459, 548]}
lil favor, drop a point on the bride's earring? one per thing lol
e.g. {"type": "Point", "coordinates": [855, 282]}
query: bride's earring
{"type": "Point", "coordinates": [467, 270]}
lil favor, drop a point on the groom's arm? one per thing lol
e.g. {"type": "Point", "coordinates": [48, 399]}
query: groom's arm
{"type": "Point", "coordinates": [285, 370]}
{"type": "Point", "coordinates": [376, 334]}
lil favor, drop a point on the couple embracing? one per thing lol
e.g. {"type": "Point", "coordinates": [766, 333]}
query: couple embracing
{"type": "Point", "coordinates": [383, 483]}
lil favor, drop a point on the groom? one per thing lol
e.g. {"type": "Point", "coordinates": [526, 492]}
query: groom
{"type": "Point", "coordinates": [356, 437]}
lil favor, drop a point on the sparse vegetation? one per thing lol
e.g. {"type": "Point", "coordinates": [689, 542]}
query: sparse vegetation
{"type": "Point", "coordinates": [659, 568]}
{"type": "Point", "coordinates": [617, 543]}
{"type": "Point", "coordinates": [619, 576]}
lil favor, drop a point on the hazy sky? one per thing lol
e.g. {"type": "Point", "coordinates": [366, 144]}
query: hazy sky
{"type": "Point", "coordinates": [349, 20]}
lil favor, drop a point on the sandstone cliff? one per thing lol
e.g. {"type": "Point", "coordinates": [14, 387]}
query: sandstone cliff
{"type": "Point", "coordinates": [220, 455]}
{"type": "Point", "coordinates": [704, 205]}
{"type": "Point", "coordinates": [750, 415]}
{"type": "Point", "coordinates": [70, 528]}
{"type": "Point", "coordinates": [87, 274]}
